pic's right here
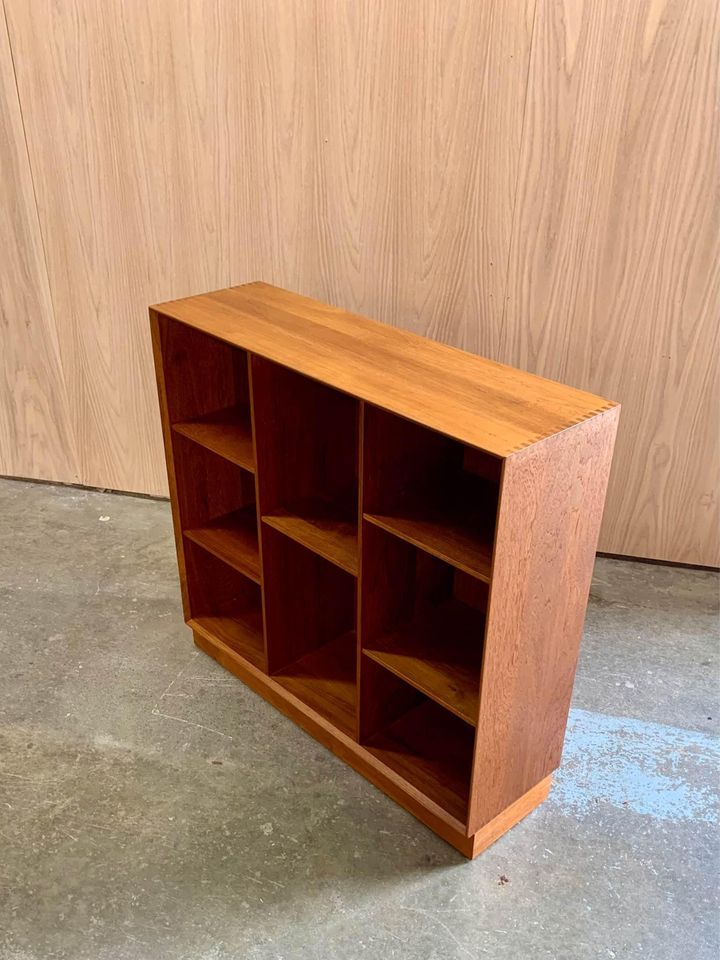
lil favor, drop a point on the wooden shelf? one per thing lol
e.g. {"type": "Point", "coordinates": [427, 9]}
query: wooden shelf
{"type": "Point", "coordinates": [237, 626]}
{"type": "Point", "coordinates": [460, 541]}
{"type": "Point", "coordinates": [342, 498]}
{"type": "Point", "coordinates": [433, 751]}
{"type": "Point", "coordinates": [227, 432]}
{"type": "Point", "coordinates": [232, 538]}
{"type": "Point", "coordinates": [320, 528]}
{"type": "Point", "coordinates": [439, 654]}
{"type": "Point", "coordinates": [325, 680]}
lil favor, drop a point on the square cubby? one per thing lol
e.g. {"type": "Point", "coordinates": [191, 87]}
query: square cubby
{"type": "Point", "coordinates": [423, 620]}
{"type": "Point", "coordinates": [216, 506]}
{"type": "Point", "coordinates": [431, 490]}
{"type": "Point", "coordinates": [224, 604]}
{"type": "Point", "coordinates": [420, 741]}
{"type": "Point", "coordinates": [310, 609]}
{"type": "Point", "coordinates": [307, 450]}
{"type": "Point", "coordinates": [207, 391]}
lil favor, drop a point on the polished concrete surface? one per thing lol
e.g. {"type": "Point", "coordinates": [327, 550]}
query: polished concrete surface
{"type": "Point", "coordinates": [152, 807]}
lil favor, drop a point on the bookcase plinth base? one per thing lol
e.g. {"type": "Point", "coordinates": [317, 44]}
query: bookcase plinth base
{"type": "Point", "coordinates": [353, 753]}
{"type": "Point", "coordinates": [513, 814]}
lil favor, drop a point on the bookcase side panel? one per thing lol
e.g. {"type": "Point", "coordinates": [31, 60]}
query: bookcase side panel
{"type": "Point", "coordinates": [156, 330]}
{"type": "Point", "coordinates": [551, 504]}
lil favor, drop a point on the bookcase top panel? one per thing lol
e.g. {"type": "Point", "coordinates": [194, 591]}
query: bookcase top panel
{"type": "Point", "coordinates": [480, 402]}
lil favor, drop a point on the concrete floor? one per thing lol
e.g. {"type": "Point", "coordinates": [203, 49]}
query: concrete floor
{"type": "Point", "coordinates": [152, 807]}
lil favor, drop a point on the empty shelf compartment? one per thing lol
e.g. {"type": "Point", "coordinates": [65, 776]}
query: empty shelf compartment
{"type": "Point", "coordinates": [432, 750]}
{"type": "Point", "coordinates": [324, 679]}
{"type": "Point", "coordinates": [321, 527]}
{"type": "Point", "coordinates": [310, 606]}
{"type": "Point", "coordinates": [207, 391]}
{"type": "Point", "coordinates": [432, 491]}
{"type": "Point", "coordinates": [308, 456]}
{"type": "Point", "coordinates": [226, 432]}
{"type": "Point", "coordinates": [233, 538]}
{"type": "Point", "coordinates": [439, 653]}
{"type": "Point", "coordinates": [224, 604]}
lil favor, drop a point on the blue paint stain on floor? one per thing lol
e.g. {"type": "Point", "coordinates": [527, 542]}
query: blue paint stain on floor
{"type": "Point", "coordinates": [660, 771]}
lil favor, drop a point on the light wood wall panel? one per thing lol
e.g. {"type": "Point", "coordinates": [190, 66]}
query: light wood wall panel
{"type": "Point", "coordinates": [359, 152]}
{"type": "Point", "coordinates": [529, 179]}
{"type": "Point", "coordinates": [614, 281]}
{"type": "Point", "coordinates": [125, 107]}
{"type": "Point", "coordinates": [36, 439]}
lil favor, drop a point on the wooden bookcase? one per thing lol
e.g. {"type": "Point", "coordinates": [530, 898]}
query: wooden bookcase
{"type": "Point", "coordinates": [389, 539]}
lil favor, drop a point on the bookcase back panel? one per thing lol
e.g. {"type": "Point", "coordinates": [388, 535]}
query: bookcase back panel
{"type": "Point", "coordinates": [212, 485]}
{"type": "Point", "coordinates": [202, 374]}
{"type": "Point", "coordinates": [427, 746]}
{"type": "Point", "coordinates": [308, 600]}
{"type": "Point", "coordinates": [435, 492]}
{"type": "Point", "coordinates": [307, 440]}
{"type": "Point", "coordinates": [416, 623]}
{"type": "Point", "coordinates": [225, 602]}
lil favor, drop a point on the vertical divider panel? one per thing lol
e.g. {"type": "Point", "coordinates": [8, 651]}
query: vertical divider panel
{"type": "Point", "coordinates": [382, 697]}
{"type": "Point", "coordinates": [361, 583]}
{"type": "Point", "coordinates": [264, 416]}
{"type": "Point", "coordinates": [359, 596]}
{"type": "Point", "coordinates": [387, 598]}
{"type": "Point", "coordinates": [258, 500]}
{"type": "Point", "coordinates": [156, 329]}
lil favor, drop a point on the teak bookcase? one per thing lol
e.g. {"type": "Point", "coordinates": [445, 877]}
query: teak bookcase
{"type": "Point", "coordinates": [389, 539]}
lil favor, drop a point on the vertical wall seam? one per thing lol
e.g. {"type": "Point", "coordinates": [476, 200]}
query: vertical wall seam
{"type": "Point", "coordinates": [75, 462]}
{"type": "Point", "coordinates": [531, 52]}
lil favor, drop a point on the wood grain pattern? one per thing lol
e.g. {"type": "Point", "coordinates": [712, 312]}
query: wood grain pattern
{"type": "Point", "coordinates": [438, 654]}
{"type": "Point", "coordinates": [431, 749]}
{"type": "Point", "coordinates": [445, 536]}
{"type": "Point", "coordinates": [233, 537]}
{"type": "Point", "coordinates": [369, 154]}
{"type": "Point", "coordinates": [551, 502]}
{"type": "Point", "coordinates": [516, 812]}
{"type": "Point", "coordinates": [165, 164]}
{"type": "Point", "coordinates": [474, 400]}
{"type": "Point", "coordinates": [335, 539]}
{"type": "Point", "coordinates": [614, 279]}
{"type": "Point", "coordinates": [324, 679]}
{"type": "Point", "coordinates": [124, 108]}
{"type": "Point", "coordinates": [419, 112]}
{"type": "Point", "coordinates": [36, 431]}
{"type": "Point", "coordinates": [449, 690]}
{"type": "Point", "coordinates": [226, 432]}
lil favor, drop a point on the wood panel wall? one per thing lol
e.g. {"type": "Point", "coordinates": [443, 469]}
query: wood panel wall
{"type": "Point", "coordinates": [533, 180]}
{"type": "Point", "coordinates": [614, 281]}
{"type": "Point", "coordinates": [36, 433]}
